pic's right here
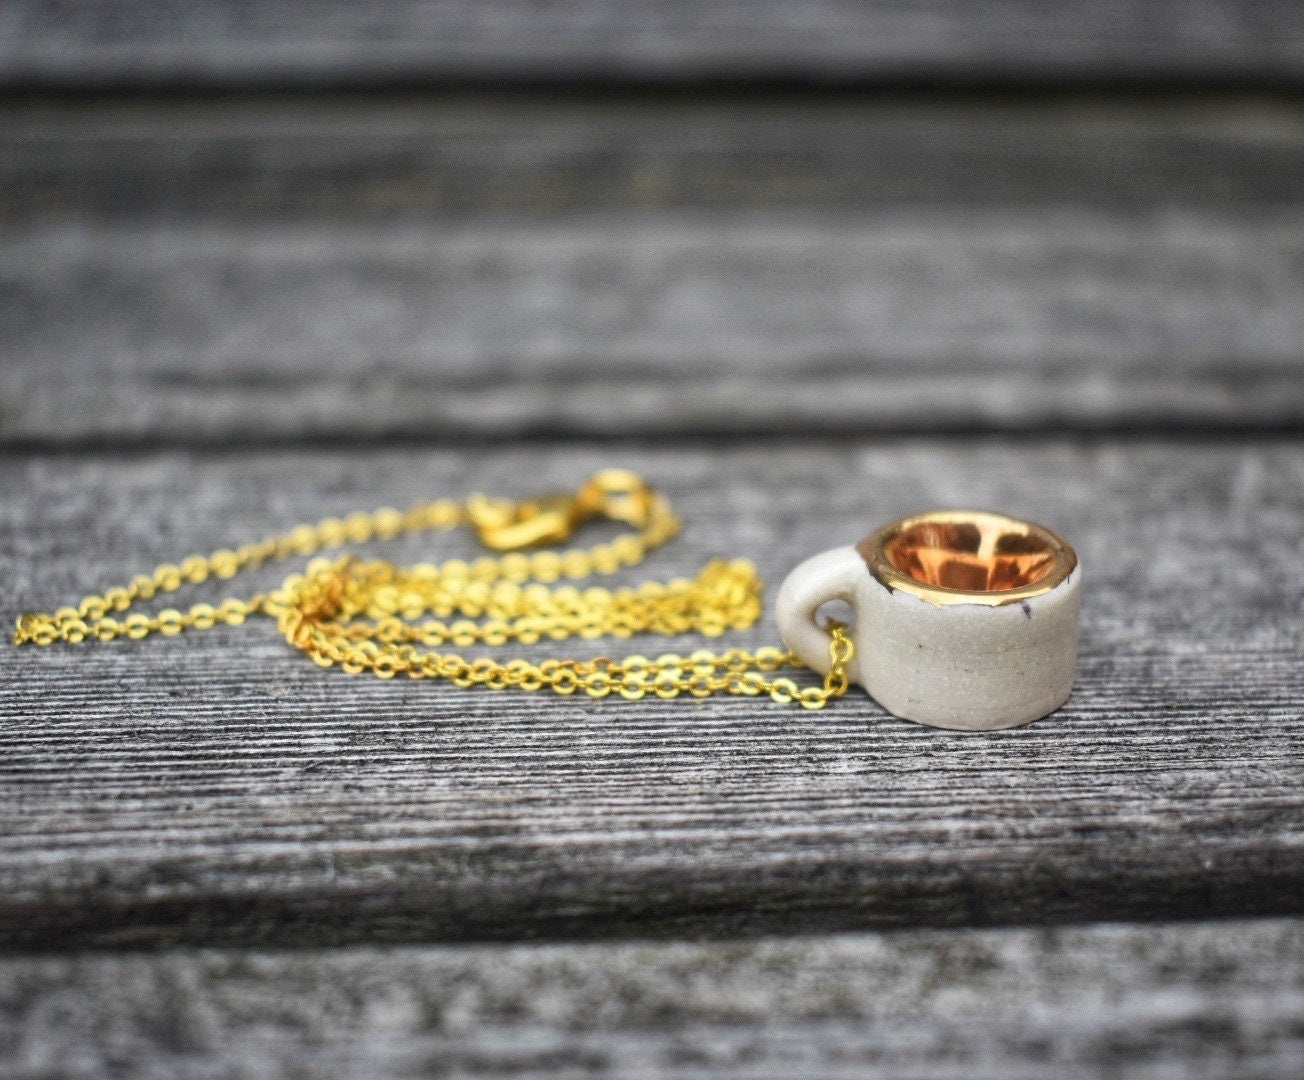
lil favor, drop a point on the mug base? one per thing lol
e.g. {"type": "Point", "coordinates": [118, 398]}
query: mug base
{"type": "Point", "coordinates": [961, 719]}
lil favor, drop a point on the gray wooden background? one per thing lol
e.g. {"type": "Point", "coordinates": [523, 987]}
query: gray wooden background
{"type": "Point", "coordinates": [808, 267]}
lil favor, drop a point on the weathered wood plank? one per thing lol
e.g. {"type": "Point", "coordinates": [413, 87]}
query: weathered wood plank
{"type": "Point", "coordinates": [1156, 1003]}
{"type": "Point", "coordinates": [220, 788]}
{"type": "Point", "coordinates": [376, 157]}
{"type": "Point", "coordinates": [134, 42]}
{"type": "Point", "coordinates": [1001, 320]}
{"type": "Point", "coordinates": [243, 269]}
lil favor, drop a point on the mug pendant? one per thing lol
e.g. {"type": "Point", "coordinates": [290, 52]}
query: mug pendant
{"type": "Point", "coordinates": [964, 619]}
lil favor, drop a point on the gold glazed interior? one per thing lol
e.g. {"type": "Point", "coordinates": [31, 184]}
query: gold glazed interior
{"type": "Point", "coordinates": [968, 556]}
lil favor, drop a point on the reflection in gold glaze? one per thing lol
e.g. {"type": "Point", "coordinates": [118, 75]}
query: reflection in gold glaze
{"type": "Point", "coordinates": [968, 557]}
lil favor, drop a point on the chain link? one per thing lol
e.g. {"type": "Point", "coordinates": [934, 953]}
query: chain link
{"type": "Point", "coordinates": [374, 616]}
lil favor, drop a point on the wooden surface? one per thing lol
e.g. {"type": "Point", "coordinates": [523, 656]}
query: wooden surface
{"type": "Point", "coordinates": [807, 267]}
{"type": "Point", "coordinates": [133, 42]}
{"type": "Point", "coordinates": [477, 266]}
{"type": "Point", "coordinates": [369, 158]}
{"type": "Point", "coordinates": [221, 789]}
{"type": "Point", "coordinates": [970, 322]}
{"type": "Point", "coordinates": [1154, 1003]}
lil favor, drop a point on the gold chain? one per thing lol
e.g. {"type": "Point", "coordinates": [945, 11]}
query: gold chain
{"type": "Point", "coordinates": [372, 615]}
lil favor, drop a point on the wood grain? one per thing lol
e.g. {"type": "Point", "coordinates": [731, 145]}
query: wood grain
{"type": "Point", "coordinates": [379, 157]}
{"type": "Point", "coordinates": [220, 789]}
{"type": "Point", "coordinates": [494, 266]}
{"type": "Point", "coordinates": [1001, 321]}
{"type": "Point", "coordinates": [134, 42]}
{"type": "Point", "coordinates": [1203, 999]}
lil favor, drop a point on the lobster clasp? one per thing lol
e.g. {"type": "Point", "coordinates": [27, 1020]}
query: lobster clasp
{"type": "Point", "coordinates": [503, 525]}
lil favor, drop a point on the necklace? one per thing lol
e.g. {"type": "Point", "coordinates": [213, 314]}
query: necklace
{"type": "Point", "coordinates": [373, 616]}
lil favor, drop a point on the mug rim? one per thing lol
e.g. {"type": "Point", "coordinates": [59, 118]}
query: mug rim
{"type": "Point", "coordinates": [873, 550]}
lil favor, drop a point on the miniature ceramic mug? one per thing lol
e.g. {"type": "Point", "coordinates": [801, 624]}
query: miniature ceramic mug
{"type": "Point", "coordinates": [963, 619]}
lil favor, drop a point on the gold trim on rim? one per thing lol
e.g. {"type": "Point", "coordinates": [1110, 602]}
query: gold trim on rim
{"type": "Point", "coordinates": [968, 557]}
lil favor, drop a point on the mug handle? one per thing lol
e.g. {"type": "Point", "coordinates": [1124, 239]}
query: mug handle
{"type": "Point", "coordinates": [821, 578]}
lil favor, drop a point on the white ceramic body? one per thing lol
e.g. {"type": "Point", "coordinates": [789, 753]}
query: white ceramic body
{"type": "Point", "coordinates": [969, 667]}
